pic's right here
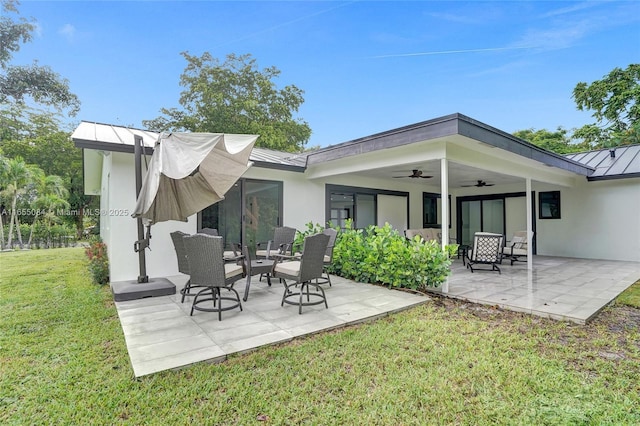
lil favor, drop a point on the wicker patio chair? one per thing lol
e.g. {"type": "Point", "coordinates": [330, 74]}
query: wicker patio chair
{"type": "Point", "coordinates": [183, 263]}
{"type": "Point", "coordinates": [281, 243]}
{"type": "Point", "coordinates": [304, 271]}
{"type": "Point", "coordinates": [208, 270]}
{"type": "Point", "coordinates": [328, 256]}
{"type": "Point", "coordinates": [486, 250]}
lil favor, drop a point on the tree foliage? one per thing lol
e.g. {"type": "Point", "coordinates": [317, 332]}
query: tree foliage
{"type": "Point", "coordinates": [33, 135]}
{"type": "Point", "coordinates": [20, 83]}
{"type": "Point", "coordinates": [615, 102]}
{"type": "Point", "coordinates": [557, 141]}
{"type": "Point", "coordinates": [235, 96]}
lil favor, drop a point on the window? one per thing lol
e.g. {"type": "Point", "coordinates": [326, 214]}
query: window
{"type": "Point", "coordinates": [361, 208]}
{"type": "Point", "coordinates": [360, 205]}
{"type": "Point", "coordinates": [431, 210]}
{"type": "Point", "coordinates": [248, 214]}
{"type": "Point", "coordinates": [549, 205]}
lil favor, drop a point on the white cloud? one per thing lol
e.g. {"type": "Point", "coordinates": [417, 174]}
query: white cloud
{"type": "Point", "coordinates": [68, 31]}
{"type": "Point", "coordinates": [555, 38]}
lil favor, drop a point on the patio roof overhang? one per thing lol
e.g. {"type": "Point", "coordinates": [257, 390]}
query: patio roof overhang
{"type": "Point", "coordinates": [475, 151]}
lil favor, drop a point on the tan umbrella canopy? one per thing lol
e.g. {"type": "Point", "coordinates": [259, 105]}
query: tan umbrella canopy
{"type": "Point", "coordinates": [190, 171]}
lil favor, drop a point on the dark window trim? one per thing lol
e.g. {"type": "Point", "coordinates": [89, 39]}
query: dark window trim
{"type": "Point", "coordinates": [434, 195]}
{"type": "Point", "coordinates": [330, 188]}
{"type": "Point", "coordinates": [556, 197]}
{"type": "Point", "coordinates": [242, 182]}
{"type": "Point", "coordinates": [504, 196]}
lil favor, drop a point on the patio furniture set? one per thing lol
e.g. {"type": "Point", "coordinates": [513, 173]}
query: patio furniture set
{"type": "Point", "coordinates": [487, 248]}
{"type": "Point", "coordinates": [211, 269]}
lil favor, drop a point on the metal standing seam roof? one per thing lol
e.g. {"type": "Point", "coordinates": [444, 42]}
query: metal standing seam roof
{"type": "Point", "coordinates": [625, 163]}
{"type": "Point", "coordinates": [109, 137]}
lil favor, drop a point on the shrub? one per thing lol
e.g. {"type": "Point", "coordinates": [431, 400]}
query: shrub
{"type": "Point", "coordinates": [382, 255]}
{"type": "Point", "coordinates": [98, 261]}
{"type": "Point", "coordinates": [301, 235]}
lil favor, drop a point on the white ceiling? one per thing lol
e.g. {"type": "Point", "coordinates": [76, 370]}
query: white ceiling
{"type": "Point", "coordinates": [459, 175]}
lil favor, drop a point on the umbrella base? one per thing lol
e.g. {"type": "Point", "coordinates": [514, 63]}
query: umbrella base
{"type": "Point", "coordinates": [133, 290]}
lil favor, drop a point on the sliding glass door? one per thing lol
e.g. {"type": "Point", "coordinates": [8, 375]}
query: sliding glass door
{"type": "Point", "coordinates": [481, 216]}
{"type": "Point", "coordinates": [262, 210]}
{"type": "Point", "coordinates": [361, 208]}
{"type": "Point", "coordinates": [248, 214]}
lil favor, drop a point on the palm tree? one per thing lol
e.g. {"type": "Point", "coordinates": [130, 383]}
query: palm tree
{"type": "Point", "coordinates": [17, 175]}
{"type": "Point", "coordinates": [3, 173]}
{"type": "Point", "coordinates": [51, 194]}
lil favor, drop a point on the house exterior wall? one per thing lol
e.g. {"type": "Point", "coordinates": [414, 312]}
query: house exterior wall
{"type": "Point", "coordinates": [304, 199]}
{"type": "Point", "coordinates": [599, 220]}
{"type": "Point", "coordinates": [119, 229]}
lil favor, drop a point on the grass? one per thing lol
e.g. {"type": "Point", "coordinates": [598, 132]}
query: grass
{"type": "Point", "coordinates": [631, 296]}
{"type": "Point", "coordinates": [63, 360]}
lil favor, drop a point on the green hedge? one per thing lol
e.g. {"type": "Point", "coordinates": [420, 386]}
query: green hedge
{"type": "Point", "coordinates": [382, 255]}
{"type": "Point", "coordinates": [60, 235]}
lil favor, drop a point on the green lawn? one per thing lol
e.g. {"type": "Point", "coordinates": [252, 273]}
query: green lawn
{"type": "Point", "coordinates": [631, 296]}
{"type": "Point", "coordinates": [63, 360]}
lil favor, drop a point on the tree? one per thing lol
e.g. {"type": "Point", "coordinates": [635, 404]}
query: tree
{"type": "Point", "coordinates": [615, 102]}
{"type": "Point", "coordinates": [20, 83]}
{"type": "Point", "coordinates": [41, 142]}
{"type": "Point", "coordinates": [50, 195]}
{"type": "Point", "coordinates": [557, 141]}
{"type": "Point", "coordinates": [4, 166]}
{"type": "Point", "coordinates": [16, 177]}
{"type": "Point", "coordinates": [236, 97]}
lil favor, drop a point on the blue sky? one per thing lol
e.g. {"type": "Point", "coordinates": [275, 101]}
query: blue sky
{"type": "Point", "coordinates": [365, 66]}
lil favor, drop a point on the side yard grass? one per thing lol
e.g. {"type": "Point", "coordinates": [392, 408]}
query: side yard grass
{"type": "Point", "coordinates": [631, 296]}
{"type": "Point", "coordinates": [63, 360]}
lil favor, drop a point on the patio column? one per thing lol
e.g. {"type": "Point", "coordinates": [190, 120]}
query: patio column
{"type": "Point", "coordinates": [444, 210]}
{"type": "Point", "coordinates": [444, 200]}
{"type": "Point", "coordinates": [529, 226]}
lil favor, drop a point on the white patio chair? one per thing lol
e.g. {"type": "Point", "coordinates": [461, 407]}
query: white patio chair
{"type": "Point", "coordinates": [517, 247]}
{"type": "Point", "coordinates": [486, 250]}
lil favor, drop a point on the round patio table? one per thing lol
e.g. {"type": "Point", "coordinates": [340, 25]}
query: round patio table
{"type": "Point", "coordinates": [257, 267]}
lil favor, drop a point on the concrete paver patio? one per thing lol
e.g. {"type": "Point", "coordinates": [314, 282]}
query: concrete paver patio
{"type": "Point", "coordinates": [560, 288]}
{"type": "Point", "coordinates": [161, 335]}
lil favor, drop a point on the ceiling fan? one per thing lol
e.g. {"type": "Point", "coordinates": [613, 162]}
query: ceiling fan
{"type": "Point", "coordinates": [415, 174]}
{"type": "Point", "coordinates": [480, 184]}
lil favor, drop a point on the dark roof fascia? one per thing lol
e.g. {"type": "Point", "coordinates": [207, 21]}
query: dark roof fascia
{"type": "Point", "coordinates": [491, 136]}
{"type": "Point", "coordinates": [430, 129]}
{"type": "Point", "coordinates": [109, 147]}
{"type": "Point", "coordinates": [278, 166]}
{"type": "Point", "coordinates": [447, 126]}
{"type": "Point", "coordinates": [613, 177]}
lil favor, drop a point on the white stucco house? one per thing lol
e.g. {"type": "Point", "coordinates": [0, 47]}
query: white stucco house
{"type": "Point", "coordinates": [581, 205]}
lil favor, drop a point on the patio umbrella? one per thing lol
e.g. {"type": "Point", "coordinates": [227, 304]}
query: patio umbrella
{"type": "Point", "coordinates": [187, 172]}
{"type": "Point", "coordinates": [190, 171]}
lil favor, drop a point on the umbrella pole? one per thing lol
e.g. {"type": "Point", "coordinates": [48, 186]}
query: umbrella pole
{"type": "Point", "coordinates": [142, 243]}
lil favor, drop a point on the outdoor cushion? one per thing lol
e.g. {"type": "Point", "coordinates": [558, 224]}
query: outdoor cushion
{"type": "Point", "coordinates": [427, 234]}
{"type": "Point", "coordinates": [516, 252]}
{"type": "Point", "coordinates": [231, 270]}
{"type": "Point", "coordinates": [288, 268]}
{"type": "Point", "coordinates": [518, 242]}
